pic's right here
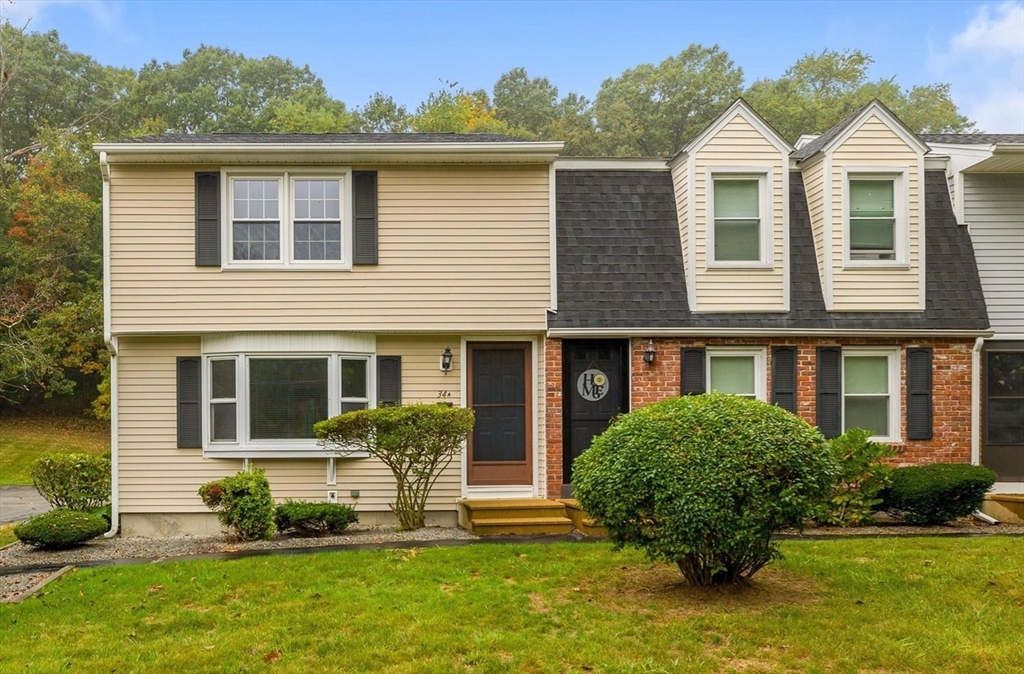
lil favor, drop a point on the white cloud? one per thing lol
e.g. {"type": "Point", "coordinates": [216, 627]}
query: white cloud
{"type": "Point", "coordinates": [32, 12]}
{"type": "Point", "coordinates": [984, 65]}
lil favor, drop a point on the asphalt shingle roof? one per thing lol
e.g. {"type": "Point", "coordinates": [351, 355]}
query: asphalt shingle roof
{"type": "Point", "coordinates": [620, 263]}
{"type": "Point", "coordinates": [972, 138]}
{"type": "Point", "coordinates": [314, 138]}
{"type": "Point", "coordinates": [824, 139]}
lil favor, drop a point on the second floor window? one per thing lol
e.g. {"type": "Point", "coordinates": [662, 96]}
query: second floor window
{"type": "Point", "coordinates": [287, 220]}
{"type": "Point", "coordinates": [872, 219]}
{"type": "Point", "coordinates": [737, 221]}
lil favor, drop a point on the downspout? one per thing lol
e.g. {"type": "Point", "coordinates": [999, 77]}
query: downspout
{"type": "Point", "coordinates": [111, 343]}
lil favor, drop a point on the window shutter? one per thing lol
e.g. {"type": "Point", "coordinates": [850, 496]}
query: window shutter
{"type": "Point", "coordinates": [389, 381]}
{"type": "Point", "coordinates": [784, 377]}
{"type": "Point", "coordinates": [692, 371]}
{"type": "Point", "coordinates": [189, 403]}
{"type": "Point", "coordinates": [364, 209]}
{"type": "Point", "coordinates": [919, 394]}
{"type": "Point", "coordinates": [830, 388]}
{"type": "Point", "coordinates": [207, 219]}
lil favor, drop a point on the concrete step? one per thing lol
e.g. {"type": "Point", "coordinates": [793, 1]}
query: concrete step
{"type": "Point", "coordinates": [511, 508]}
{"type": "Point", "coordinates": [584, 523]}
{"type": "Point", "coordinates": [520, 526]}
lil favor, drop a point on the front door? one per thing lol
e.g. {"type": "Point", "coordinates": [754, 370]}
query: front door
{"type": "Point", "coordinates": [500, 392]}
{"type": "Point", "coordinates": [596, 389]}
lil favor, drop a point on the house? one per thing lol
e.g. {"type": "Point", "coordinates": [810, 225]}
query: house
{"type": "Point", "coordinates": [985, 173]}
{"type": "Point", "coordinates": [259, 283]}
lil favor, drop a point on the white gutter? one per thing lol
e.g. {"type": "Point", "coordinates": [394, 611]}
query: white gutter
{"type": "Point", "coordinates": [976, 401]}
{"type": "Point", "coordinates": [759, 332]}
{"type": "Point", "coordinates": [111, 343]}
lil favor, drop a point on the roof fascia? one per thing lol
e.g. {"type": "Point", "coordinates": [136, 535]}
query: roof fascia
{"type": "Point", "coordinates": [760, 332]}
{"type": "Point", "coordinates": [890, 120]}
{"type": "Point", "coordinates": [739, 107]}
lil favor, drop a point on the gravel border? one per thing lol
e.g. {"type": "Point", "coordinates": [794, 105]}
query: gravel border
{"type": "Point", "coordinates": [16, 589]}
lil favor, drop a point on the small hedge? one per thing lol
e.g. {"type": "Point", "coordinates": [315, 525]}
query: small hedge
{"type": "Point", "coordinates": [60, 529]}
{"type": "Point", "coordinates": [937, 493]}
{"type": "Point", "coordinates": [314, 519]}
{"type": "Point", "coordinates": [243, 503]}
{"type": "Point", "coordinates": [73, 481]}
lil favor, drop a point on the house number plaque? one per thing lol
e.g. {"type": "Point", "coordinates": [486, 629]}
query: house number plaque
{"type": "Point", "coordinates": [592, 385]}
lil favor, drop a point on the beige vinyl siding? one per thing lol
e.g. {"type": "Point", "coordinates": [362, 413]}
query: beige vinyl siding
{"type": "Point", "coordinates": [680, 184]}
{"type": "Point", "coordinates": [875, 145]}
{"type": "Point", "coordinates": [994, 209]}
{"type": "Point", "coordinates": [738, 145]}
{"type": "Point", "coordinates": [814, 187]}
{"type": "Point", "coordinates": [459, 247]}
{"type": "Point", "coordinates": [154, 476]}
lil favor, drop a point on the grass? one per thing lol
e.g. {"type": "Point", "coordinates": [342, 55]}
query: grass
{"type": "Point", "coordinates": [7, 534]}
{"type": "Point", "coordinates": [878, 605]}
{"type": "Point", "coordinates": [25, 439]}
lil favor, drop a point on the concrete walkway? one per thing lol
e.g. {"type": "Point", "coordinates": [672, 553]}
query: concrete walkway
{"type": "Point", "coordinates": [19, 502]}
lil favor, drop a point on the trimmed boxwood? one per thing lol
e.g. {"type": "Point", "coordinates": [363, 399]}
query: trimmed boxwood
{"type": "Point", "coordinates": [243, 503]}
{"type": "Point", "coordinates": [936, 493]}
{"type": "Point", "coordinates": [314, 519]}
{"type": "Point", "coordinates": [703, 482]}
{"type": "Point", "coordinates": [60, 529]}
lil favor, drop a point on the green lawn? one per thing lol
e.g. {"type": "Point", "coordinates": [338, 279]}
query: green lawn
{"type": "Point", "coordinates": [7, 534]}
{"type": "Point", "coordinates": [880, 605]}
{"type": "Point", "coordinates": [23, 440]}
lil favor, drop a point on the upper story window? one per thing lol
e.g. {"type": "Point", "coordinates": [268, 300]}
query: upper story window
{"type": "Point", "coordinates": [739, 232]}
{"type": "Point", "coordinates": [876, 220]}
{"type": "Point", "coordinates": [288, 221]}
{"type": "Point", "coordinates": [737, 371]}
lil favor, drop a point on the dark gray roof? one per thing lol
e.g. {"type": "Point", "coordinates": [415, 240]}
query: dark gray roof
{"type": "Point", "coordinates": [270, 138]}
{"type": "Point", "coordinates": [972, 138]}
{"type": "Point", "coordinates": [620, 263]}
{"type": "Point", "coordinates": [824, 139]}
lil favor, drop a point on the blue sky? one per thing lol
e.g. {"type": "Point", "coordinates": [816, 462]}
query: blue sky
{"type": "Point", "coordinates": [406, 48]}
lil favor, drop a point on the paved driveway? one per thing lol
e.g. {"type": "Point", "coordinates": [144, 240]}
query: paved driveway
{"type": "Point", "coordinates": [19, 502]}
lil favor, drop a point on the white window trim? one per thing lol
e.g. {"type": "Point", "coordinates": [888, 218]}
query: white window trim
{"type": "Point", "coordinates": [893, 355]}
{"type": "Point", "coordinates": [285, 178]}
{"type": "Point", "coordinates": [766, 212]}
{"type": "Point", "coordinates": [246, 447]}
{"type": "Point", "coordinates": [901, 213]}
{"type": "Point", "coordinates": [760, 366]}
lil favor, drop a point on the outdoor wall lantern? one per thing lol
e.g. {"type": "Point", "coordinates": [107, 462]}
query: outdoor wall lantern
{"type": "Point", "coordinates": [650, 353]}
{"type": "Point", "coordinates": [446, 360]}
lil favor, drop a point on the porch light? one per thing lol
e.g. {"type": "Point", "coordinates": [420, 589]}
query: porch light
{"type": "Point", "coordinates": [649, 352]}
{"type": "Point", "coordinates": [446, 360]}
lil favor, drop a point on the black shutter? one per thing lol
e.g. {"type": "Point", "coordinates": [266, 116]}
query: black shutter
{"type": "Point", "coordinates": [692, 371]}
{"type": "Point", "coordinates": [389, 381]}
{"type": "Point", "coordinates": [190, 418]}
{"type": "Point", "coordinates": [207, 219]}
{"type": "Point", "coordinates": [830, 391]}
{"type": "Point", "coordinates": [919, 394]}
{"type": "Point", "coordinates": [364, 209]}
{"type": "Point", "coordinates": [784, 377]}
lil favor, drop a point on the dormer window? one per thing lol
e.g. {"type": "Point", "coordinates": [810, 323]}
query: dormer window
{"type": "Point", "coordinates": [875, 218]}
{"type": "Point", "coordinates": [739, 234]}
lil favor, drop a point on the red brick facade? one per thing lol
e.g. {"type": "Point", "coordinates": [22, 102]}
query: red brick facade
{"type": "Point", "coordinates": [951, 390]}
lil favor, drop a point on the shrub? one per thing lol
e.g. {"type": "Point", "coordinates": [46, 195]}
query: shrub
{"type": "Point", "coordinates": [59, 529]}
{"type": "Point", "coordinates": [417, 442]}
{"type": "Point", "coordinates": [704, 481]}
{"type": "Point", "coordinates": [314, 519]}
{"type": "Point", "coordinates": [72, 481]}
{"type": "Point", "coordinates": [937, 493]}
{"type": "Point", "coordinates": [863, 473]}
{"type": "Point", "coordinates": [243, 503]}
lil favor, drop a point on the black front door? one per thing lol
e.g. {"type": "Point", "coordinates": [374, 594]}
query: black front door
{"type": "Point", "coordinates": [595, 389]}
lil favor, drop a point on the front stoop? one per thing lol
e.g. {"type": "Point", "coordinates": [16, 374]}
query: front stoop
{"type": "Point", "coordinates": [583, 522]}
{"type": "Point", "coordinates": [522, 516]}
{"type": "Point", "coordinates": [1008, 508]}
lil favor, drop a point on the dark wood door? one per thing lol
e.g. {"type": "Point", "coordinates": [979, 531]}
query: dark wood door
{"type": "Point", "coordinates": [500, 392]}
{"type": "Point", "coordinates": [596, 389]}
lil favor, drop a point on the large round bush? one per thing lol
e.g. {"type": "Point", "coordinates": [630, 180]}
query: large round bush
{"type": "Point", "coordinates": [704, 481]}
{"type": "Point", "coordinates": [59, 529]}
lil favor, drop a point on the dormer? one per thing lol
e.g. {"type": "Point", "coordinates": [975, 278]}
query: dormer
{"type": "Point", "coordinates": [864, 180]}
{"type": "Point", "coordinates": [731, 183]}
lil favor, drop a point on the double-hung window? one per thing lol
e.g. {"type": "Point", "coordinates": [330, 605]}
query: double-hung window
{"type": "Point", "coordinates": [740, 225]}
{"type": "Point", "coordinates": [266, 404]}
{"type": "Point", "coordinates": [288, 220]}
{"type": "Point", "coordinates": [737, 371]}
{"type": "Point", "coordinates": [876, 218]}
{"type": "Point", "coordinates": [871, 391]}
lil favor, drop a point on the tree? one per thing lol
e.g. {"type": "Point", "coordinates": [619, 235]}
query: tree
{"type": "Point", "coordinates": [458, 111]}
{"type": "Point", "coordinates": [525, 103]}
{"type": "Point", "coordinates": [820, 90]}
{"type": "Point", "coordinates": [652, 110]}
{"type": "Point", "coordinates": [382, 115]}
{"type": "Point", "coordinates": [416, 442]}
